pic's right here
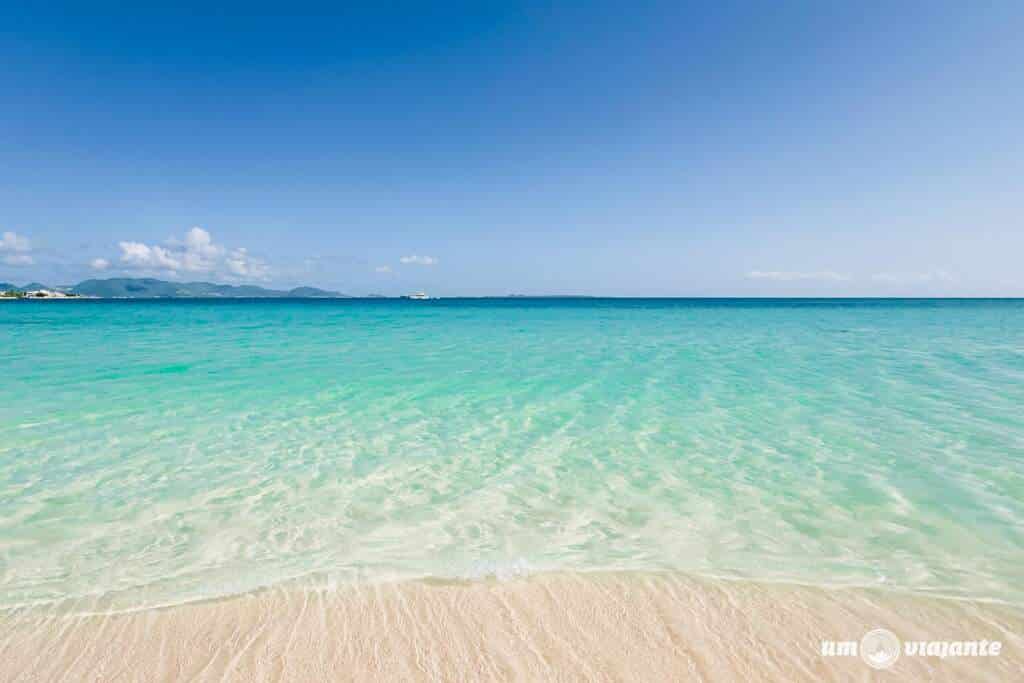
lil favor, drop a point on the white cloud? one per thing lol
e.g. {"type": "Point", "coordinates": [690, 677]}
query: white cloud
{"type": "Point", "coordinates": [913, 278]}
{"type": "Point", "coordinates": [794, 276]}
{"type": "Point", "coordinates": [240, 263]}
{"type": "Point", "coordinates": [200, 253]}
{"type": "Point", "coordinates": [419, 260]}
{"type": "Point", "coordinates": [99, 264]}
{"type": "Point", "coordinates": [15, 249]}
{"type": "Point", "coordinates": [196, 253]}
{"type": "Point", "coordinates": [145, 256]}
{"type": "Point", "coordinates": [382, 269]}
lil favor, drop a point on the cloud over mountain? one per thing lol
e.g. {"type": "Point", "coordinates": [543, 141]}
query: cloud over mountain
{"type": "Point", "coordinates": [196, 253]}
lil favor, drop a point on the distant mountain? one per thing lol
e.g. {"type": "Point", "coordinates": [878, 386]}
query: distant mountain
{"type": "Point", "coordinates": [32, 286]}
{"type": "Point", "coordinates": [149, 288]}
{"type": "Point", "coordinates": [313, 293]}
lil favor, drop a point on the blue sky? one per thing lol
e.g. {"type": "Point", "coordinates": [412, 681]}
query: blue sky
{"type": "Point", "coordinates": [664, 148]}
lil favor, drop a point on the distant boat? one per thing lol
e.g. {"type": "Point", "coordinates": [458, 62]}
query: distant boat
{"type": "Point", "coordinates": [419, 296]}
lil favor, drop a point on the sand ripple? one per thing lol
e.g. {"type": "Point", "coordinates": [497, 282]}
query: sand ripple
{"type": "Point", "coordinates": [558, 627]}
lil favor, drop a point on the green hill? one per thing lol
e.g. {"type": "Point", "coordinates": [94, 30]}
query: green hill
{"type": "Point", "coordinates": [149, 288]}
{"type": "Point", "coordinates": [313, 293]}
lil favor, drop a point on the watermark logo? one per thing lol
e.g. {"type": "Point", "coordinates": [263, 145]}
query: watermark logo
{"type": "Point", "coordinates": [880, 648]}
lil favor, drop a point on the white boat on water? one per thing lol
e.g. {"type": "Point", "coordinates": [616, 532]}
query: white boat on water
{"type": "Point", "coordinates": [419, 296]}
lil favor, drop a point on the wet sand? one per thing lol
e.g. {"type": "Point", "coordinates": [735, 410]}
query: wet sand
{"type": "Point", "coordinates": [558, 627]}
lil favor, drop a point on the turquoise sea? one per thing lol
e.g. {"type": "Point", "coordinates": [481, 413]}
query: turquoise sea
{"type": "Point", "coordinates": [156, 452]}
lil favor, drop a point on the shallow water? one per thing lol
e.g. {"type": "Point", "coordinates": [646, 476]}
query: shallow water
{"type": "Point", "coordinates": [159, 452]}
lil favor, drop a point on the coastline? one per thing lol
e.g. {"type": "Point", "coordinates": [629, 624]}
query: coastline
{"type": "Point", "coordinates": [555, 626]}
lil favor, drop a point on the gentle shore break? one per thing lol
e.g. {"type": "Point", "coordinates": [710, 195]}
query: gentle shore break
{"type": "Point", "coordinates": [560, 627]}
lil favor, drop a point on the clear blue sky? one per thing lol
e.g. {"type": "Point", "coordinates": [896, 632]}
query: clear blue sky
{"type": "Point", "coordinates": [664, 148]}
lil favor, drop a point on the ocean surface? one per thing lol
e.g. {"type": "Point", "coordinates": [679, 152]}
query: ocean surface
{"type": "Point", "coordinates": [159, 452]}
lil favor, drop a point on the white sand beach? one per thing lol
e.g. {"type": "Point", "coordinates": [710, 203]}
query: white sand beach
{"type": "Point", "coordinates": [558, 627]}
